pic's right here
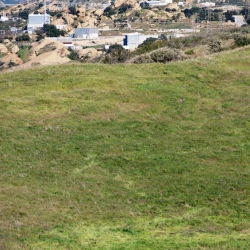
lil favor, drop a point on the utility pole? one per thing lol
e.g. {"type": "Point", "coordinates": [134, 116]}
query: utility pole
{"type": "Point", "coordinates": [44, 11]}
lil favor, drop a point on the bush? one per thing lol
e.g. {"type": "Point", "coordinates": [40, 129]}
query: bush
{"type": "Point", "coordinates": [240, 41]}
{"type": "Point", "coordinates": [72, 10]}
{"type": "Point", "coordinates": [116, 54]}
{"type": "Point", "coordinates": [124, 7]}
{"type": "Point", "coordinates": [12, 64]}
{"type": "Point", "coordinates": [161, 55]}
{"type": "Point", "coordinates": [73, 55]}
{"type": "Point", "coordinates": [190, 52]}
{"type": "Point", "coordinates": [214, 45]}
{"type": "Point", "coordinates": [108, 12]}
{"type": "Point", "coordinates": [164, 55]}
{"type": "Point", "coordinates": [115, 47]}
{"type": "Point", "coordinates": [23, 37]}
{"type": "Point", "coordinates": [142, 59]}
{"type": "Point", "coordinates": [24, 14]}
{"type": "Point", "coordinates": [52, 31]}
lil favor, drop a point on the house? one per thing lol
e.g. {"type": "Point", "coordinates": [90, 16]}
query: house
{"type": "Point", "coordinates": [36, 21]}
{"type": "Point", "coordinates": [86, 33]}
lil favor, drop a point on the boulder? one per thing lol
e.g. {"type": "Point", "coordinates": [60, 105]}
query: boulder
{"type": "Point", "coordinates": [11, 58]}
{"type": "Point", "coordinates": [88, 53]}
{"type": "Point", "coordinates": [47, 45]}
{"type": "Point", "coordinates": [81, 11]}
{"type": "Point", "coordinates": [3, 48]}
{"type": "Point", "coordinates": [6, 41]}
{"type": "Point", "coordinates": [99, 12]}
{"type": "Point", "coordinates": [14, 49]}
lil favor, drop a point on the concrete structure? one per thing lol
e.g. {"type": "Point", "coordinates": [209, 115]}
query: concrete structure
{"type": "Point", "coordinates": [157, 3]}
{"type": "Point", "coordinates": [36, 21]}
{"type": "Point", "coordinates": [86, 33]}
{"type": "Point", "coordinates": [2, 4]}
{"type": "Point", "coordinates": [60, 26]}
{"type": "Point", "coordinates": [132, 40]}
{"type": "Point", "coordinates": [207, 4]}
{"type": "Point", "coordinates": [13, 29]}
{"type": "Point", "coordinates": [4, 17]}
{"type": "Point", "coordinates": [239, 20]}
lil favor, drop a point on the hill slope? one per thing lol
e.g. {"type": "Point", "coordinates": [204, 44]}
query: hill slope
{"type": "Point", "coordinates": [126, 156]}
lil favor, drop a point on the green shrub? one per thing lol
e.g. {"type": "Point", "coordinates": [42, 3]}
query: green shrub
{"type": "Point", "coordinates": [124, 7]}
{"type": "Point", "coordinates": [142, 59]}
{"type": "Point", "coordinates": [164, 55]}
{"type": "Point", "coordinates": [24, 14]}
{"type": "Point", "coordinates": [12, 64]}
{"type": "Point", "coordinates": [240, 41]}
{"type": "Point", "coordinates": [214, 45]}
{"type": "Point", "coordinates": [108, 12]}
{"type": "Point", "coordinates": [72, 10]}
{"type": "Point", "coordinates": [190, 52]}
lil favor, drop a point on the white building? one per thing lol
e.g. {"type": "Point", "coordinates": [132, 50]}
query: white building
{"type": "Point", "coordinates": [86, 33]}
{"type": "Point", "coordinates": [4, 17]}
{"type": "Point", "coordinates": [60, 26]}
{"type": "Point", "coordinates": [157, 3]}
{"type": "Point", "coordinates": [133, 40]}
{"type": "Point", "coordinates": [36, 21]}
{"type": "Point", "coordinates": [207, 4]}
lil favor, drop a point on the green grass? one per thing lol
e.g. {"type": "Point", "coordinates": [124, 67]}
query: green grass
{"type": "Point", "coordinates": [24, 54]}
{"type": "Point", "coordinates": [126, 156]}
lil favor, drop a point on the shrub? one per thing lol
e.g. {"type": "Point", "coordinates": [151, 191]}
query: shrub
{"type": "Point", "coordinates": [214, 45]}
{"type": "Point", "coordinates": [241, 41]}
{"type": "Point", "coordinates": [164, 55]}
{"type": "Point", "coordinates": [190, 52]}
{"type": "Point", "coordinates": [24, 14]}
{"type": "Point", "coordinates": [23, 37]}
{"type": "Point", "coordinates": [52, 31]}
{"type": "Point", "coordinates": [73, 55]}
{"type": "Point", "coordinates": [72, 10]}
{"type": "Point", "coordinates": [124, 7]}
{"type": "Point", "coordinates": [108, 12]}
{"type": "Point", "coordinates": [12, 64]}
{"type": "Point", "coordinates": [161, 55]}
{"type": "Point", "coordinates": [142, 59]}
{"type": "Point", "coordinates": [114, 48]}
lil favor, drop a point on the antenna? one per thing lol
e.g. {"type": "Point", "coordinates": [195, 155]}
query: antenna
{"type": "Point", "coordinates": [44, 11]}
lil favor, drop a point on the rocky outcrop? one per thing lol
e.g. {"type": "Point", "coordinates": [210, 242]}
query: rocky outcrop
{"type": "Point", "coordinates": [88, 53]}
{"type": "Point", "coordinates": [10, 60]}
{"type": "Point", "coordinates": [47, 58]}
{"type": "Point", "coordinates": [47, 45]}
{"type": "Point", "coordinates": [14, 49]}
{"type": "Point", "coordinates": [3, 49]}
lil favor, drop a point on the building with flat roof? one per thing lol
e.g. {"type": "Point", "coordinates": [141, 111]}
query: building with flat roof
{"type": "Point", "coordinates": [36, 21]}
{"type": "Point", "coordinates": [86, 33]}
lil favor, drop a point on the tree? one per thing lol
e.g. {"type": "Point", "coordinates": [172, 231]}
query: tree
{"type": "Point", "coordinates": [52, 31]}
{"type": "Point", "coordinates": [124, 7]}
{"type": "Point", "coordinates": [188, 13]}
{"type": "Point", "coordinates": [72, 10]}
{"type": "Point", "coordinates": [229, 16]}
{"type": "Point", "coordinates": [24, 14]}
{"type": "Point", "coordinates": [108, 12]}
{"type": "Point", "coordinates": [115, 47]}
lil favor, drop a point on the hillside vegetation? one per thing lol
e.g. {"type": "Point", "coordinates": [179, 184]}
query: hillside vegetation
{"type": "Point", "coordinates": [152, 156]}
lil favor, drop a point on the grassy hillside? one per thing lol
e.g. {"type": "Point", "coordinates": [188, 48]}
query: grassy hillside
{"type": "Point", "coordinates": [127, 156]}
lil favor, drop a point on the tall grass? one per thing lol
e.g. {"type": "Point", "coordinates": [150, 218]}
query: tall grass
{"type": "Point", "coordinates": [126, 156]}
